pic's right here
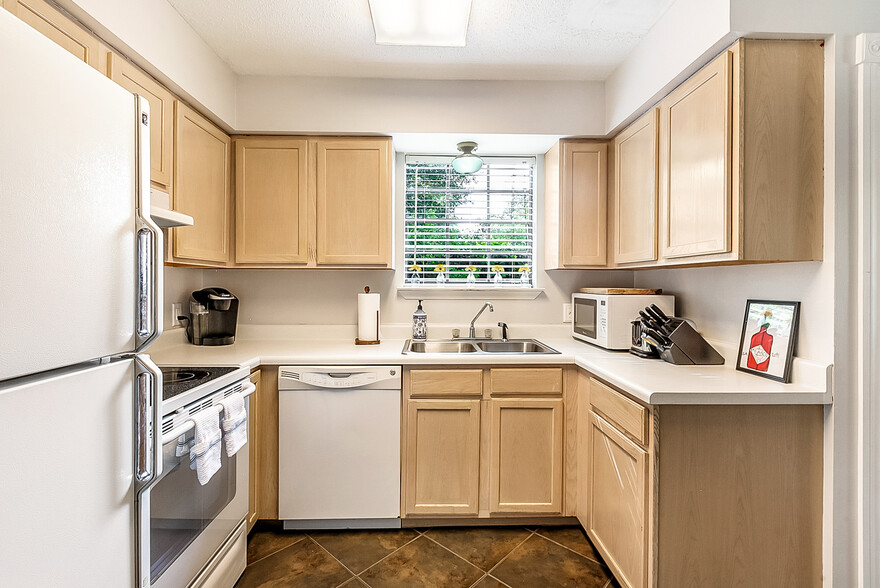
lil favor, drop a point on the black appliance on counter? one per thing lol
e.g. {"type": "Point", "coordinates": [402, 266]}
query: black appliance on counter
{"type": "Point", "coordinates": [213, 317]}
{"type": "Point", "coordinates": [672, 339]}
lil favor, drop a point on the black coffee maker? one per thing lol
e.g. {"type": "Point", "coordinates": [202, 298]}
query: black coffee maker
{"type": "Point", "coordinates": [213, 317]}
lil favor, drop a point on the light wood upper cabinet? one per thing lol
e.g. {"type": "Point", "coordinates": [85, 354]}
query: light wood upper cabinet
{"type": "Point", "coordinates": [271, 200]}
{"type": "Point", "coordinates": [695, 137]}
{"type": "Point", "coordinates": [354, 208]}
{"type": "Point", "coordinates": [741, 157]}
{"type": "Point", "coordinates": [60, 29]}
{"type": "Point", "coordinates": [442, 473]}
{"type": "Point", "coordinates": [635, 191]}
{"type": "Point", "coordinates": [575, 204]}
{"type": "Point", "coordinates": [201, 188]}
{"type": "Point", "coordinates": [161, 116]}
{"type": "Point", "coordinates": [255, 470]}
{"type": "Point", "coordinates": [618, 496]}
{"type": "Point", "coordinates": [525, 456]}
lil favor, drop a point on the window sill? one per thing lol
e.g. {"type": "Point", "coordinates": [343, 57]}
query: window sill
{"type": "Point", "coordinates": [426, 292]}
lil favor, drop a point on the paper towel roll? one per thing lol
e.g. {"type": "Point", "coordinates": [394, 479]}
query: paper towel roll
{"type": "Point", "coordinates": [368, 317]}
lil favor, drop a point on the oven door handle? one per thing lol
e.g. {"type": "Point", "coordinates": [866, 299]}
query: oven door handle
{"type": "Point", "coordinates": [148, 384]}
{"type": "Point", "coordinates": [247, 389]}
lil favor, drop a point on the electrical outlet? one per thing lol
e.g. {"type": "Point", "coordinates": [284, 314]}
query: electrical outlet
{"type": "Point", "coordinates": [175, 312]}
{"type": "Point", "coordinates": [566, 313]}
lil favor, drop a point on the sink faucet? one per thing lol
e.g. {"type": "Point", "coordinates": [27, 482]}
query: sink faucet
{"type": "Point", "coordinates": [503, 331]}
{"type": "Point", "coordinates": [472, 334]}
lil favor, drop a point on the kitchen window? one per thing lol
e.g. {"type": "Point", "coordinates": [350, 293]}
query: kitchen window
{"type": "Point", "coordinates": [469, 231]}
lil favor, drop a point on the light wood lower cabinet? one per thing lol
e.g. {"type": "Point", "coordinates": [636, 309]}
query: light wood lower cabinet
{"type": "Point", "coordinates": [713, 495]}
{"type": "Point", "coordinates": [525, 456]}
{"type": "Point", "coordinates": [617, 501]}
{"type": "Point", "coordinates": [477, 445]}
{"type": "Point", "coordinates": [254, 434]}
{"type": "Point", "coordinates": [442, 474]}
{"type": "Point", "coordinates": [201, 189]}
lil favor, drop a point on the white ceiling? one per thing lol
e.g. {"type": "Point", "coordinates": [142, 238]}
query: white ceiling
{"type": "Point", "coordinates": [506, 40]}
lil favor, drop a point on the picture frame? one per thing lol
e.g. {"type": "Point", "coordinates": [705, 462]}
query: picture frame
{"type": "Point", "coordinates": [769, 338]}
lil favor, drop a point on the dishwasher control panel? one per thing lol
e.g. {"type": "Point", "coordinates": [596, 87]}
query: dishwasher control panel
{"type": "Point", "coordinates": [338, 377]}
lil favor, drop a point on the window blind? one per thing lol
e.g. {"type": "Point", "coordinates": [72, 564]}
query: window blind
{"type": "Point", "coordinates": [483, 221]}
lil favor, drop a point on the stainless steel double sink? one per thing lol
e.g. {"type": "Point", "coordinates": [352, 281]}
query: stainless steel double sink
{"type": "Point", "coordinates": [479, 346]}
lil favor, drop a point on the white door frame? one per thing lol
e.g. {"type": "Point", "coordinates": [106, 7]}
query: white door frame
{"type": "Point", "coordinates": [868, 182]}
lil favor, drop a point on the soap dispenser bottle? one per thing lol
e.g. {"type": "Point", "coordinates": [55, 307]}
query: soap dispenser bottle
{"type": "Point", "coordinates": [420, 324]}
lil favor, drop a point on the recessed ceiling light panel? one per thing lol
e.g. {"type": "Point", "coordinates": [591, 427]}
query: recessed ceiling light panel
{"type": "Point", "coordinates": [430, 23]}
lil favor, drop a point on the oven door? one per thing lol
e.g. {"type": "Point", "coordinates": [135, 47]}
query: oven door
{"type": "Point", "coordinates": [182, 524]}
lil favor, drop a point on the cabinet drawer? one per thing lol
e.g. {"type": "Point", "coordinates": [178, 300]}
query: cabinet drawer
{"type": "Point", "coordinates": [525, 381]}
{"type": "Point", "coordinates": [432, 383]}
{"type": "Point", "coordinates": [630, 416]}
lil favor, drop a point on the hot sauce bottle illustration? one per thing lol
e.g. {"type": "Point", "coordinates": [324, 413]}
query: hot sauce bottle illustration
{"type": "Point", "coordinates": [761, 343]}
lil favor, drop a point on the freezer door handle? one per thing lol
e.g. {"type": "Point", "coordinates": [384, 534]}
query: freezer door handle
{"type": "Point", "coordinates": [149, 241]}
{"type": "Point", "coordinates": [148, 383]}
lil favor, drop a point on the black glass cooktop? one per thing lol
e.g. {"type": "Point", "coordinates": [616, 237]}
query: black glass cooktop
{"type": "Point", "coordinates": [177, 380]}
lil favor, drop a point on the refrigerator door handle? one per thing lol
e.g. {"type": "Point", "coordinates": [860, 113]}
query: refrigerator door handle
{"type": "Point", "coordinates": [149, 241]}
{"type": "Point", "coordinates": [148, 386]}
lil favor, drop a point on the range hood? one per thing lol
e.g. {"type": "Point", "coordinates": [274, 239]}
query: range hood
{"type": "Point", "coordinates": [160, 211]}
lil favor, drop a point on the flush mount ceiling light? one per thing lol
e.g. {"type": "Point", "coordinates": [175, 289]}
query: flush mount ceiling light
{"type": "Point", "coordinates": [467, 162]}
{"type": "Point", "coordinates": [433, 23]}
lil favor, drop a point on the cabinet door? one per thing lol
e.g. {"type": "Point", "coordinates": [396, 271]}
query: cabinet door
{"type": "Point", "coordinates": [201, 187]}
{"type": "Point", "coordinates": [695, 138]}
{"type": "Point", "coordinates": [271, 200]}
{"type": "Point", "coordinates": [617, 516]}
{"type": "Point", "coordinates": [525, 456]}
{"type": "Point", "coordinates": [161, 115]}
{"type": "Point", "coordinates": [635, 191]}
{"type": "Point", "coordinates": [442, 457]}
{"type": "Point", "coordinates": [354, 202]}
{"type": "Point", "coordinates": [57, 27]}
{"type": "Point", "coordinates": [583, 203]}
{"type": "Point", "coordinates": [254, 453]}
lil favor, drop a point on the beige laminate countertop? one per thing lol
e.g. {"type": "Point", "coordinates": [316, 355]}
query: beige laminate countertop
{"type": "Point", "coordinates": [650, 381]}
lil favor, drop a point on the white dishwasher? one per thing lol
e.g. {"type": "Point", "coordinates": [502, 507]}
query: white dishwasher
{"type": "Point", "coordinates": [339, 447]}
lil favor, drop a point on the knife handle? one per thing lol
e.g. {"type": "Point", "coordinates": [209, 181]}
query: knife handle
{"type": "Point", "coordinates": [659, 312]}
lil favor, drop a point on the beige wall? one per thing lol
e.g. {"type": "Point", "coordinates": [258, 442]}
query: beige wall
{"type": "Point", "coordinates": [347, 105]}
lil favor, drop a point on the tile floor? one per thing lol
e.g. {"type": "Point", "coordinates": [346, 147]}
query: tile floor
{"type": "Point", "coordinates": [482, 557]}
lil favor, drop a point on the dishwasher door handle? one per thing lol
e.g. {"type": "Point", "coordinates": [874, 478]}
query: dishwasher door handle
{"type": "Point", "coordinates": [331, 381]}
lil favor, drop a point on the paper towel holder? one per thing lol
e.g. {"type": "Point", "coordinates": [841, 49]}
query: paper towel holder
{"type": "Point", "coordinates": [376, 342]}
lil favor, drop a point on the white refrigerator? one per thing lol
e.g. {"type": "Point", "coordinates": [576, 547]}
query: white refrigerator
{"type": "Point", "coordinates": [80, 293]}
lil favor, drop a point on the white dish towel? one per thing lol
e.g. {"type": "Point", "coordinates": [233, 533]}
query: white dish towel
{"type": "Point", "coordinates": [234, 423]}
{"type": "Point", "coordinates": [204, 455]}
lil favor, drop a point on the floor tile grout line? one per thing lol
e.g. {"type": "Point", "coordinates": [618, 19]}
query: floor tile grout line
{"type": "Point", "coordinates": [466, 560]}
{"type": "Point", "coordinates": [384, 558]}
{"type": "Point", "coordinates": [476, 566]}
{"type": "Point", "coordinates": [499, 581]}
{"type": "Point", "coordinates": [336, 559]}
{"type": "Point", "coordinates": [500, 561]}
{"type": "Point", "coordinates": [601, 563]}
{"type": "Point", "coordinates": [276, 551]}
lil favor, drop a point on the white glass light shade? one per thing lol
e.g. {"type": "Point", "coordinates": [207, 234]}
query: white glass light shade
{"type": "Point", "coordinates": [467, 163]}
{"type": "Point", "coordinates": [429, 23]}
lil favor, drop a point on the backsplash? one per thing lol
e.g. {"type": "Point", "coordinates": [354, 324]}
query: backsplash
{"type": "Point", "coordinates": [315, 297]}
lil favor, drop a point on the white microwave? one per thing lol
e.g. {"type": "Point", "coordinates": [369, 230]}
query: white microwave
{"type": "Point", "coordinates": [606, 319]}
